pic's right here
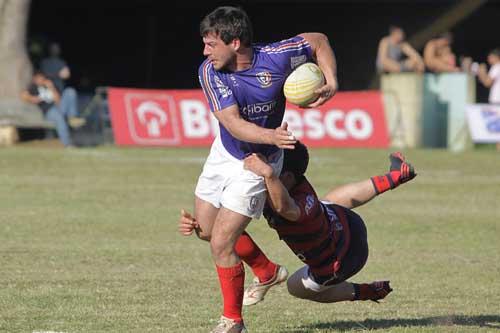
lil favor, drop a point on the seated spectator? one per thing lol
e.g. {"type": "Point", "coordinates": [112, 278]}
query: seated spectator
{"type": "Point", "coordinates": [56, 108]}
{"type": "Point", "coordinates": [396, 55]}
{"type": "Point", "coordinates": [56, 69]}
{"type": "Point", "coordinates": [438, 55]}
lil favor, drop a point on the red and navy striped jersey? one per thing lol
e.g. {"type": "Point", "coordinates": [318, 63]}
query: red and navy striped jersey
{"type": "Point", "coordinates": [317, 237]}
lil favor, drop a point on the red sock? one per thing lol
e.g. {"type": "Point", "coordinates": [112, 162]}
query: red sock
{"type": "Point", "coordinates": [253, 256]}
{"type": "Point", "coordinates": [386, 182]}
{"type": "Point", "coordinates": [232, 281]}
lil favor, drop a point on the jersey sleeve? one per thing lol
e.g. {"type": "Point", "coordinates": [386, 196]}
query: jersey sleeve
{"type": "Point", "coordinates": [289, 53]}
{"type": "Point", "coordinates": [218, 94]}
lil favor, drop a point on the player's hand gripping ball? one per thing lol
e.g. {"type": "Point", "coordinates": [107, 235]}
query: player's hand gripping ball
{"type": "Point", "coordinates": [301, 84]}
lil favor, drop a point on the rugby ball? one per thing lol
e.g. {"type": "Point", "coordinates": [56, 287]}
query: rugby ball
{"type": "Point", "coordinates": [300, 85]}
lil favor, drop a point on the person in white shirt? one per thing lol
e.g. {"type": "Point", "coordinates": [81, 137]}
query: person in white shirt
{"type": "Point", "coordinates": [491, 79]}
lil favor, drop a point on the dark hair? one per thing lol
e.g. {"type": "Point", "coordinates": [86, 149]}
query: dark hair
{"type": "Point", "coordinates": [38, 72]}
{"type": "Point", "coordinates": [296, 160]}
{"type": "Point", "coordinates": [393, 28]}
{"type": "Point", "coordinates": [495, 52]}
{"type": "Point", "coordinates": [447, 35]}
{"type": "Point", "coordinates": [54, 50]}
{"type": "Point", "coordinates": [228, 23]}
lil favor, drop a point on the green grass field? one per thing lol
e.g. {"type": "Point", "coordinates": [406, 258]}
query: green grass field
{"type": "Point", "coordinates": [88, 243]}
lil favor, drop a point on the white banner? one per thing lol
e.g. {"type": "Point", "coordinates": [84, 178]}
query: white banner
{"type": "Point", "coordinates": [484, 122]}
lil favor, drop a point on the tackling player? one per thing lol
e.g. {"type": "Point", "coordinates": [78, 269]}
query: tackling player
{"type": "Point", "coordinates": [243, 83]}
{"type": "Point", "coordinates": [325, 234]}
{"type": "Point", "coordinates": [330, 238]}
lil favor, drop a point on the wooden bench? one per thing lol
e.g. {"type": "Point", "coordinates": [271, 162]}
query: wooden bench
{"type": "Point", "coordinates": [16, 114]}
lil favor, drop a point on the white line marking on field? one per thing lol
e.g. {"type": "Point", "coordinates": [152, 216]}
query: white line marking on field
{"type": "Point", "coordinates": [47, 332]}
{"type": "Point", "coordinates": [361, 325]}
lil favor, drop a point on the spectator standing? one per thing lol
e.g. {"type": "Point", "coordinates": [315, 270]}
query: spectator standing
{"type": "Point", "coordinates": [56, 69]}
{"type": "Point", "coordinates": [491, 79]}
{"type": "Point", "coordinates": [396, 55]}
{"type": "Point", "coordinates": [438, 55]}
{"type": "Point", "coordinates": [43, 92]}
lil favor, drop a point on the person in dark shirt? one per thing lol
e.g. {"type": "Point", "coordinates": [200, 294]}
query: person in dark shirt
{"type": "Point", "coordinates": [43, 92]}
{"type": "Point", "coordinates": [325, 234]}
{"type": "Point", "coordinates": [56, 69]}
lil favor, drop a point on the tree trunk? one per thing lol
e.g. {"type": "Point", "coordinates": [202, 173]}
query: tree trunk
{"type": "Point", "coordinates": [15, 67]}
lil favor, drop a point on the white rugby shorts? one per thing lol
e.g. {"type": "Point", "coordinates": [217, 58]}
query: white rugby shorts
{"type": "Point", "coordinates": [224, 182]}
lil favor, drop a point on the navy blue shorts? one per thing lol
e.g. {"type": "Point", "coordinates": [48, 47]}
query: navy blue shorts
{"type": "Point", "coordinates": [357, 254]}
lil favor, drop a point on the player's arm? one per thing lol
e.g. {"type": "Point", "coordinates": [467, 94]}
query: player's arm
{"type": "Point", "coordinates": [50, 85]}
{"type": "Point", "coordinates": [278, 195]}
{"type": "Point", "coordinates": [410, 52]}
{"type": "Point", "coordinates": [246, 131]}
{"type": "Point", "coordinates": [187, 224]}
{"type": "Point", "coordinates": [27, 97]}
{"type": "Point", "coordinates": [482, 75]}
{"type": "Point", "coordinates": [325, 57]}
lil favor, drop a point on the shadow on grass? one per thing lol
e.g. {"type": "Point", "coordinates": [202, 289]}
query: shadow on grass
{"type": "Point", "coordinates": [490, 321]}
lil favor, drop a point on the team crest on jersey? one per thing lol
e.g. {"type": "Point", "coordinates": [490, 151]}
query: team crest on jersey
{"type": "Point", "coordinates": [265, 79]}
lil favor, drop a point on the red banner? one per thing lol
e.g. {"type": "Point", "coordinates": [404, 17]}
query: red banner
{"type": "Point", "coordinates": [183, 118]}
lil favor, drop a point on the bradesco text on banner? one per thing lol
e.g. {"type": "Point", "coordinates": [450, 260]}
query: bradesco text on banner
{"type": "Point", "coordinates": [183, 118]}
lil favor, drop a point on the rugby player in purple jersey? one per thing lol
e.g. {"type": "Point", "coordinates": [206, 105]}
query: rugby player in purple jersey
{"type": "Point", "coordinates": [243, 83]}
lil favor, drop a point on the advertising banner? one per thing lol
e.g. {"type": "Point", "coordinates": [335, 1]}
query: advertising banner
{"type": "Point", "coordinates": [182, 118]}
{"type": "Point", "coordinates": [484, 122]}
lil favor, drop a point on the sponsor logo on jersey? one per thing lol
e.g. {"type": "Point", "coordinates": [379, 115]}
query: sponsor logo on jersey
{"type": "Point", "coordinates": [309, 203]}
{"type": "Point", "coordinates": [331, 214]}
{"type": "Point", "coordinates": [223, 90]}
{"type": "Point", "coordinates": [233, 79]}
{"type": "Point", "coordinates": [259, 110]}
{"type": "Point", "coordinates": [297, 61]}
{"type": "Point", "coordinates": [338, 226]}
{"type": "Point", "coordinates": [265, 79]}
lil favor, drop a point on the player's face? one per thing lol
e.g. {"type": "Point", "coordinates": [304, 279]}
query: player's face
{"type": "Point", "coordinates": [220, 54]}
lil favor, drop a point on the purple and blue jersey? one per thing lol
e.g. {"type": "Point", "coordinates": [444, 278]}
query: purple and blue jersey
{"type": "Point", "coordinates": [257, 91]}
